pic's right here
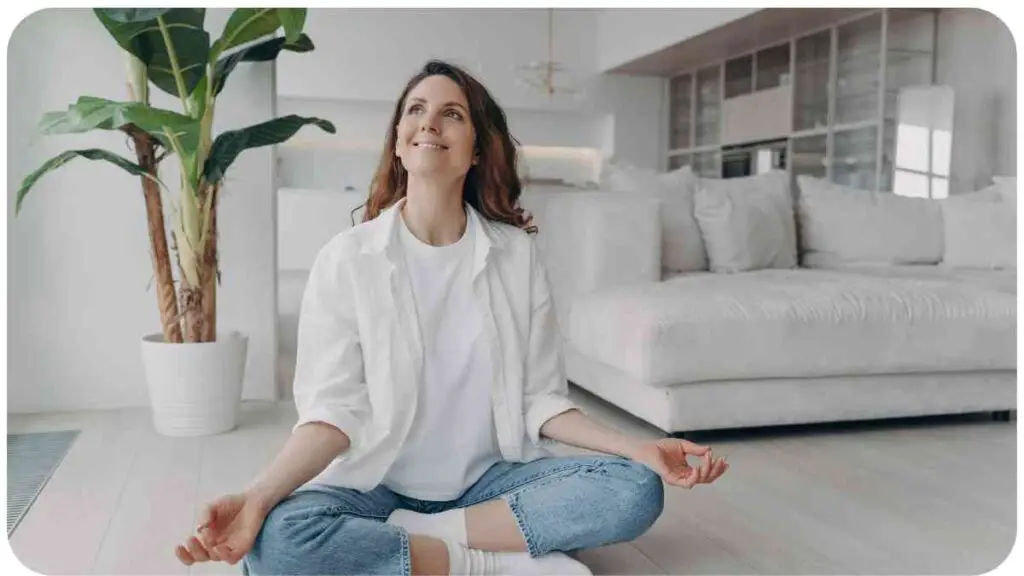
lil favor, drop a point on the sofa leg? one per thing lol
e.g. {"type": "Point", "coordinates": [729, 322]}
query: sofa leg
{"type": "Point", "coordinates": [1004, 415]}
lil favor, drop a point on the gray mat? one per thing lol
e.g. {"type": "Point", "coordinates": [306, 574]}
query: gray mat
{"type": "Point", "coordinates": [31, 460]}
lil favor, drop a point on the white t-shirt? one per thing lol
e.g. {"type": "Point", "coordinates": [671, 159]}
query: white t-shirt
{"type": "Point", "coordinates": [452, 441]}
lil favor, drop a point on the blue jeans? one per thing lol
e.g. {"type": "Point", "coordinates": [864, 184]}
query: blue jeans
{"type": "Point", "coordinates": [559, 503]}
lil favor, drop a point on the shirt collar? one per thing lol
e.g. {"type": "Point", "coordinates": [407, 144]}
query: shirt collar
{"type": "Point", "coordinates": [383, 237]}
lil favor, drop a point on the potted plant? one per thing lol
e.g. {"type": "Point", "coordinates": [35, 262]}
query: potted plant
{"type": "Point", "coordinates": [194, 372]}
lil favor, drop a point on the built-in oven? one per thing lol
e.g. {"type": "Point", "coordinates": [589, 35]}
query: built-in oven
{"type": "Point", "coordinates": [752, 158]}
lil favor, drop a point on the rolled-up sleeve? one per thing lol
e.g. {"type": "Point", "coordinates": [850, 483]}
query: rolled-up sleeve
{"type": "Point", "coordinates": [546, 388]}
{"type": "Point", "coordinates": [330, 382]}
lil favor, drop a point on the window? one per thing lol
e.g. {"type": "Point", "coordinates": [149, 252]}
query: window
{"type": "Point", "coordinates": [922, 162]}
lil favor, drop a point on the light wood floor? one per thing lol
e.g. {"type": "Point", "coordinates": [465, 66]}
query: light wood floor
{"type": "Point", "coordinates": [935, 496]}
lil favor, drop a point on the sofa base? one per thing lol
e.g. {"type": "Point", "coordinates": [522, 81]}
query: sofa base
{"type": "Point", "coordinates": [1004, 415]}
{"type": "Point", "coordinates": [725, 404]}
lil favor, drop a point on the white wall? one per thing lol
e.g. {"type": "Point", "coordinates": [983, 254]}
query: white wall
{"type": "Point", "coordinates": [368, 54]}
{"type": "Point", "coordinates": [348, 159]}
{"type": "Point", "coordinates": [629, 33]}
{"type": "Point", "coordinates": [976, 56]}
{"type": "Point", "coordinates": [79, 267]}
{"type": "Point", "coordinates": [638, 124]}
{"type": "Point", "coordinates": [363, 58]}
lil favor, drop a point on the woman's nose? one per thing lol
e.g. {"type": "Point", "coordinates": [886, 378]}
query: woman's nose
{"type": "Point", "coordinates": [429, 123]}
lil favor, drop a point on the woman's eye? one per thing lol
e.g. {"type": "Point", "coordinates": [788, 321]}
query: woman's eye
{"type": "Point", "coordinates": [414, 108]}
{"type": "Point", "coordinates": [455, 114]}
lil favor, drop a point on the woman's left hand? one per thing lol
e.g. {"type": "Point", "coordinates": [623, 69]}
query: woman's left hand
{"type": "Point", "coordinates": [667, 457]}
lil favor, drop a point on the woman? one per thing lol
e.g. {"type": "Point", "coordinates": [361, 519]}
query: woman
{"type": "Point", "coordinates": [428, 380]}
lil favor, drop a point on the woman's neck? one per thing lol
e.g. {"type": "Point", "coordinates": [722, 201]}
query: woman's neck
{"type": "Point", "coordinates": [435, 213]}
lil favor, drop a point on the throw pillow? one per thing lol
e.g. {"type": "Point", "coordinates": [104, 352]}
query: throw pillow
{"type": "Point", "coordinates": [747, 223]}
{"type": "Point", "coordinates": [980, 231]}
{"type": "Point", "coordinates": [843, 226]}
{"type": "Point", "coordinates": [1007, 186]}
{"type": "Point", "coordinates": [681, 247]}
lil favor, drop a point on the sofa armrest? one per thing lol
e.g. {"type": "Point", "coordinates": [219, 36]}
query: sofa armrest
{"type": "Point", "coordinates": [593, 241]}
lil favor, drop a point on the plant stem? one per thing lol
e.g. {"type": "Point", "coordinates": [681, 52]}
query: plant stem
{"type": "Point", "coordinates": [206, 123]}
{"type": "Point", "coordinates": [175, 67]}
{"type": "Point", "coordinates": [209, 270]}
{"type": "Point", "coordinates": [166, 297]}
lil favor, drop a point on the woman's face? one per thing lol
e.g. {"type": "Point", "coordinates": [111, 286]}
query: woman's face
{"type": "Point", "coordinates": [435, 133]}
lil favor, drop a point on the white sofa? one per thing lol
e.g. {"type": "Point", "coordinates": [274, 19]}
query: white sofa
{"type": "Point", "coordinates": [659, 318]}
{"type": "Point", "coordinates": [839, 305]}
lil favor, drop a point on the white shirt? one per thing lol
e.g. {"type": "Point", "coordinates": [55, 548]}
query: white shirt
{"type": "Point", "coordinates": [360, 356]}
{"type": "Point", "coordinates": [452, 440]}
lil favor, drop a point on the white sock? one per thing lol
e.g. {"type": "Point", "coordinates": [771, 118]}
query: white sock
{"type": "Point", "coordinates": [551, 563]}
{"type": "Point", "coordinates": [447, 525]}
{"type": "Point", "coordinates": [450, 527]}
{"type": "Point", "coordinates": [463, 560]}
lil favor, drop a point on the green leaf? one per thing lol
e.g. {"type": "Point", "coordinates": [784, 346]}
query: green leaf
{"type": "Point", "coordinates": [197, 99]}
{"type": "Point", "coordinates": [91, 113]}
{"type": "Point", "coordinates": [157, 122]}
{"type": "Point", "coordinates": [87, 114]}
{"type": "Point", "coordinates": [134, 14]}
{"type": "Point", "coordinates": [65, 157]}
{"type": "Point", "coordinates": [246, 25]}
{"type": "Point", "coordinates": [230, 144]}
{"type": "Point", "coordinates": [293, 19]}
{"type": "Point", "coordinates": [191, 45]}
{"type": "Point", "coordinates": [262, 52]}
{"type": "Point", "coordinates": [142, 38]}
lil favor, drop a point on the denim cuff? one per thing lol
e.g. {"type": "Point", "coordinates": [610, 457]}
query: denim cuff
{"type": "Point", "coordinates": [406, 554]}
{"type": "Point", "coordinates": [524, 529]}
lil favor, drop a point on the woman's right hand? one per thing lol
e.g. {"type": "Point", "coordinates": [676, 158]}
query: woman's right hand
{"type": "Point", "coordinates": [228, 527]}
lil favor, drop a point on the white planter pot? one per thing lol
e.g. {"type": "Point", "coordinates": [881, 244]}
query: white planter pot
{"type": "Point", "coordinates": [195, 389]}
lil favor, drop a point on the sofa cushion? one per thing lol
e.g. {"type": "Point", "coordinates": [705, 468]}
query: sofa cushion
{"type": "Point", "coordinates": [1007, 186]}
{"type": "Point", "coordinates": [795, 323]}
{"type": "Point", "coordinates": [981, 235]}
{"type": "Point", "coordinates": [682, 249]}
{"type": "Point", "coordinates": [747, 223]}
{"type": "Point", "coordinates": [592, 241]}
{"type": "Point", "coordinates": [979, 232]}
{"type": "Point", "coordinates": [842, 226]}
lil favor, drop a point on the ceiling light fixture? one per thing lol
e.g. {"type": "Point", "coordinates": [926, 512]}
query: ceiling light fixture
{"type": "Point", "coordinates": [540, 76]}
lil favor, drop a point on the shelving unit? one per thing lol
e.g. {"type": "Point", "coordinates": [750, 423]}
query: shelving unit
{"type": "Point", "coordinates": [844, 85]}
{"type": "Point", "coordinates": [811, 82]}
{"type": "Point", "coordinates": [771, 68]}
{"type": "Point", "coordinates": [708, 106]}
{"type": "Point", "coordinates": [739, 76]}
{"type": "Point", "coordinates": [808, 155]}
{"type": "Point", "coordinates": [681, 107]}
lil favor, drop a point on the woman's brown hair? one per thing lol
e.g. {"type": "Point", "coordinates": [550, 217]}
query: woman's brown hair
{"type": "Point", "coordinates": [492, 186]}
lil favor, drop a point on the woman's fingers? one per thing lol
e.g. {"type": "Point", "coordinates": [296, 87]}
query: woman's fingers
{"type": "Point", "coordinates": [207, 516]}
{"type": "Point", "coordinates": [720, 467]}
{"type": "Point", "coordinates": [183, 555]}
{"type": "Point", "coordinates": [691, 448]}
{"type": "Point", "coordinates": [198, 551]}
{"type": "Point", "coordinates": [705, 467]}
{"type": "Point", "coordinates": [690, 478]}
{"type": "Point", "coordinates": [205, 537]}
{"type": "Point", "coordinates": [214, 554]}
{"type": "Point", "coordinates": [227, 554]}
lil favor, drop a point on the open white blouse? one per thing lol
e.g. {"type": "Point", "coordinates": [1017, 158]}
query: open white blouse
{"type": "Point", "coordinates": [360, 355]}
